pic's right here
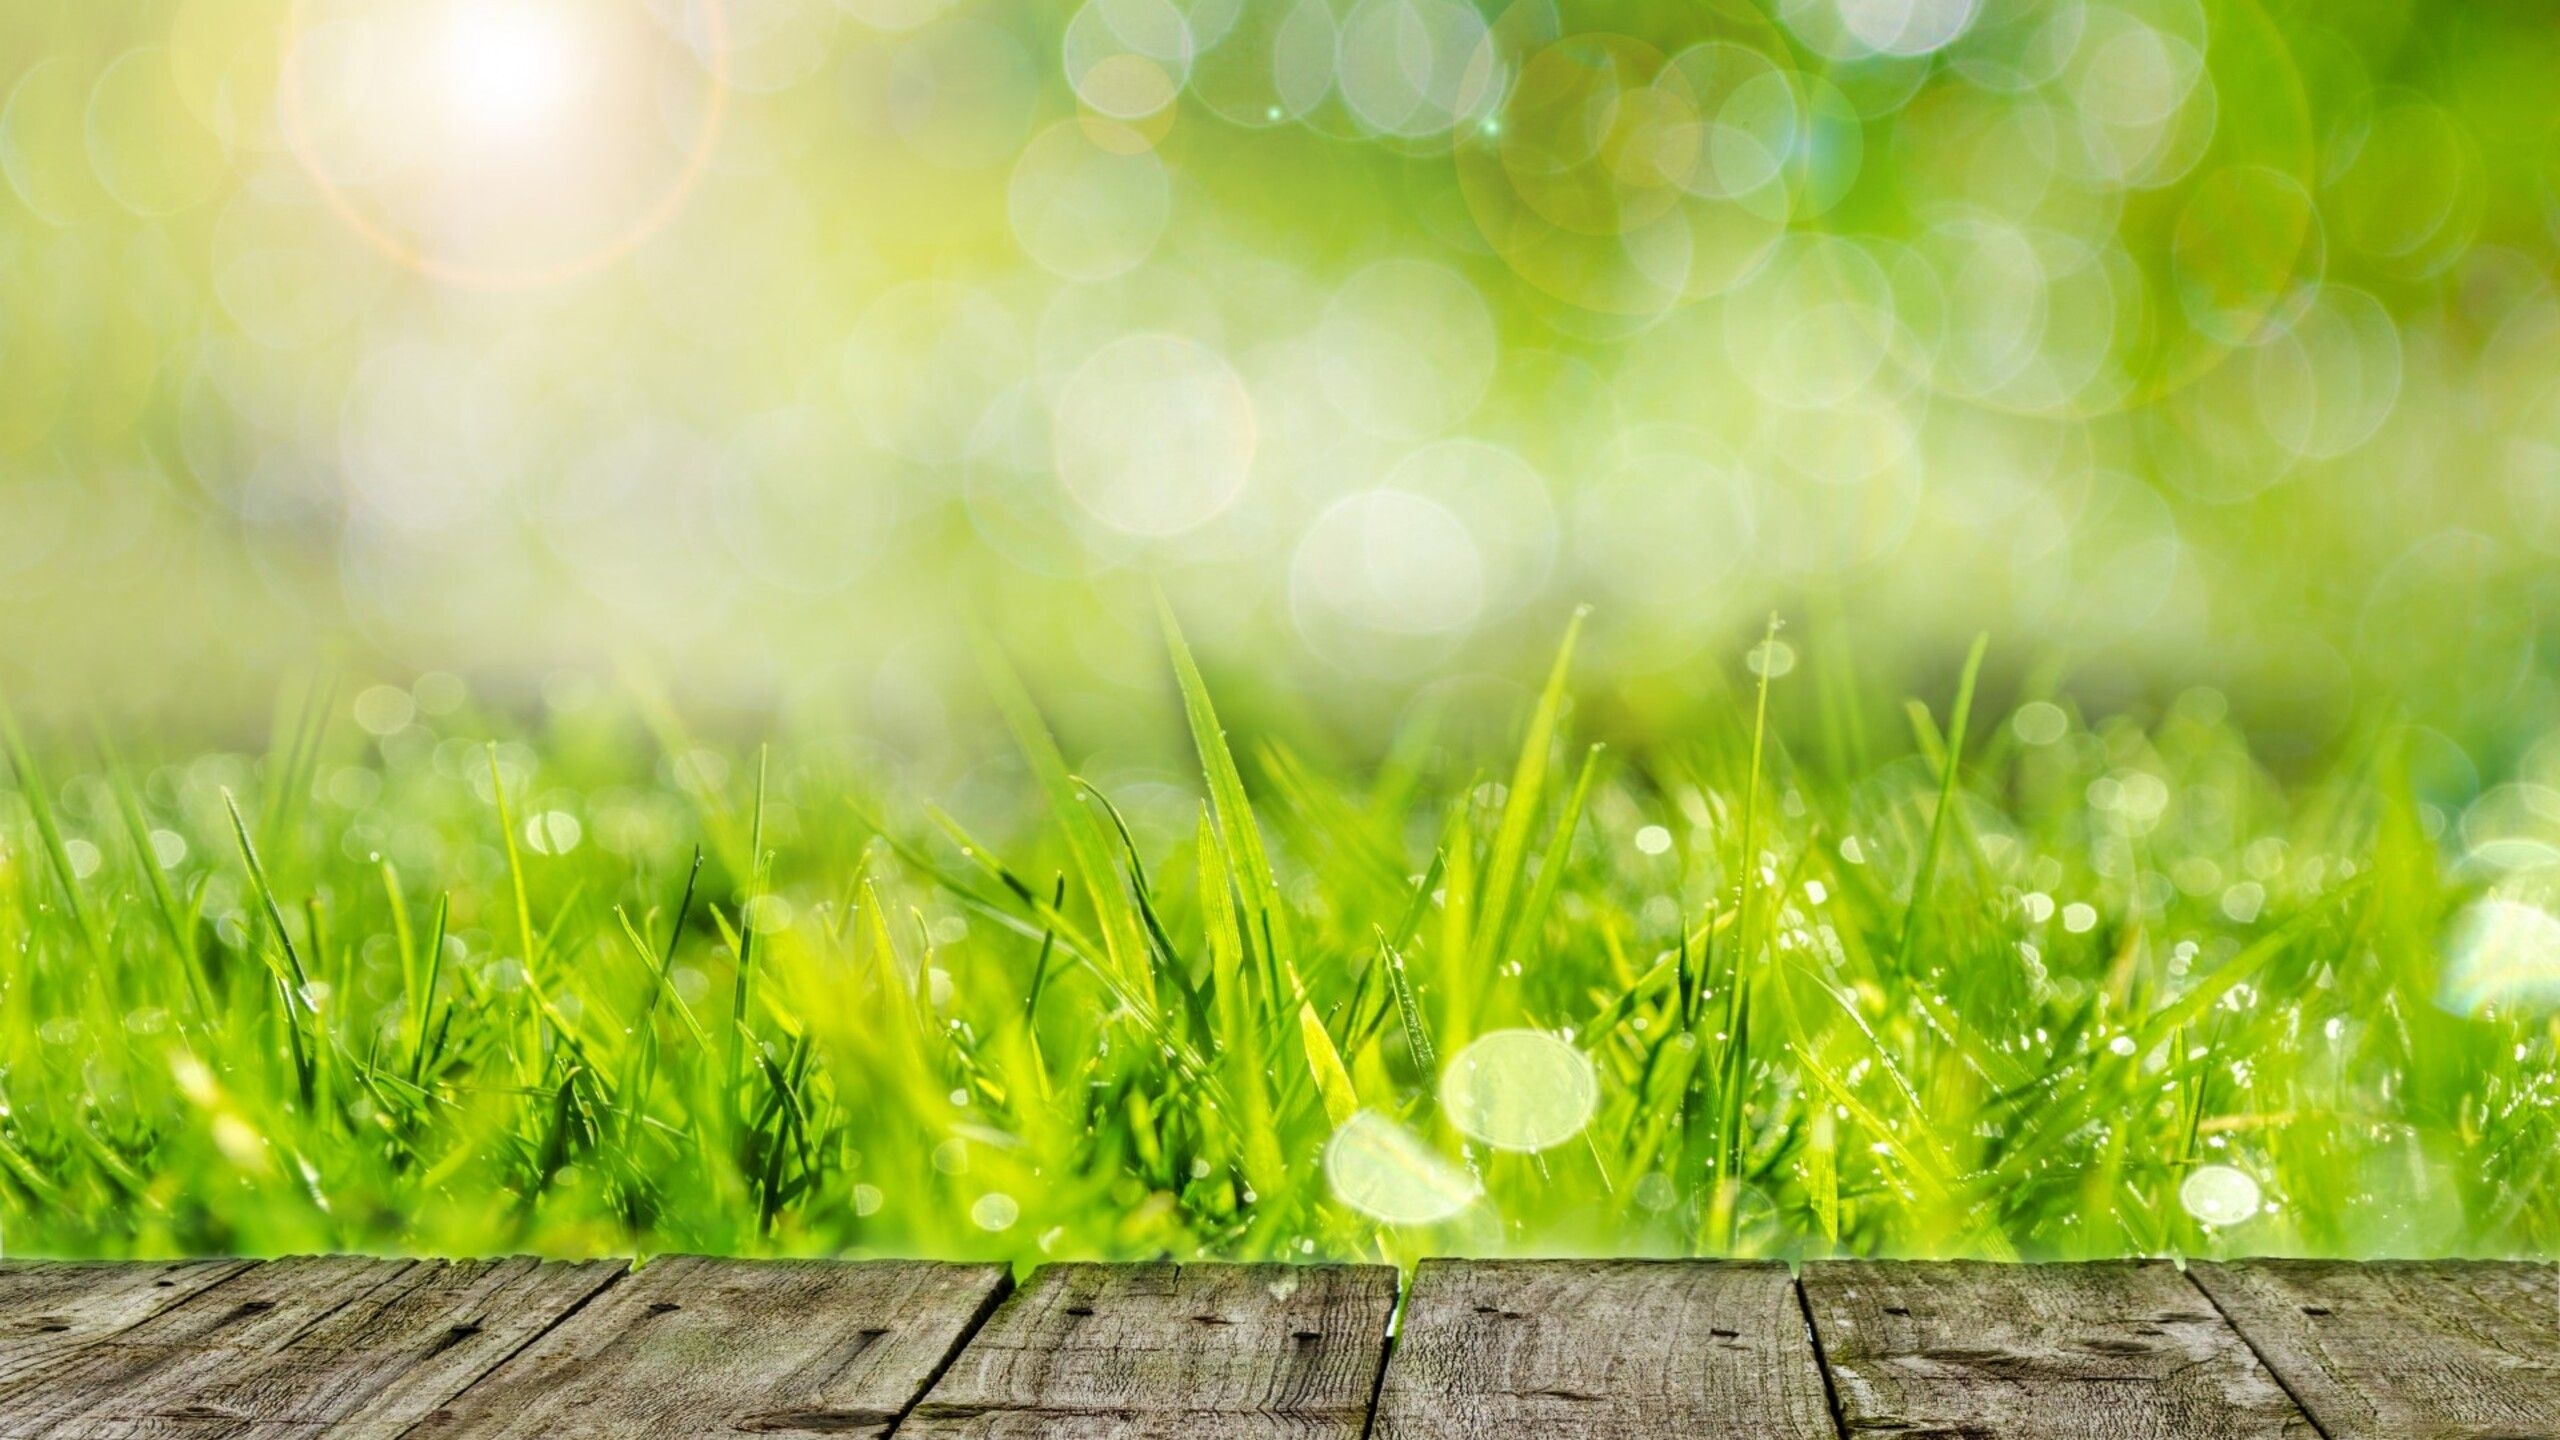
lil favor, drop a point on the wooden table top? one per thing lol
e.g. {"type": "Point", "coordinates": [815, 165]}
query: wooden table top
{"type": "Point", "coordinates": [1470, 1350]}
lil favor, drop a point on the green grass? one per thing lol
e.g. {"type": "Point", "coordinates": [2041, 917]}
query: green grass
{"type": "Point", "coordinates": [590, 985]}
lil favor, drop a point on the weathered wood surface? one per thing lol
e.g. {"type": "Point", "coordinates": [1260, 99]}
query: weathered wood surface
{"type": "Point", "coordinates": [339, 1346]}
{"type": "Point", "coordinates": [1609, 1350]}
{"type": "Point", "coordinates": [1218, 1352]}
{"type": "Point", "coordinates": [2118, 1351]}
{"type": "Point", "coordinates": [2460, 1351]}
{"type": "Point", "coordinates": [689, 1346]}
{"type": "Point", "coordinates": [50, 1309]}
{"type": "Point", "coordinates": [1574, 1350]}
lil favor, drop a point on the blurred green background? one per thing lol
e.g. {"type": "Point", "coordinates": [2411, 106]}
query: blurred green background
{"type": "Point", "coordinates": [632, 382]}
{"type": "Point", "coordinates": [762, 346]}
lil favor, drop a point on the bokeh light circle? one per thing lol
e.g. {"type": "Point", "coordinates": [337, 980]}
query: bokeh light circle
{"type": "Point", "coordinates": [1410, 68]}
{"type": "Point", "coordinates": [1128, 59]}
{"type": "Point", "coordinates": [1154, 435]}
{"type": "Point", "coordinates": [923, 362]}
{"type": "Point", "coordinates": [1272, 65]}
{"type": "Point", "coordinates": [1520, 1090]}
{"type": "Point", "coordinates": [1383, 1170]}
{"type": "Point", "coordinates": [1084, 212]}
{"type": "Point", "coordinates": [1383, 579]}
{"type": "Point", "coordinates": [149, 149]}
{"type": "Point", "coordinates": [2503, 950]}
{"type": "Point", "coordinates": [1411, 348]}
{"type": "Point", "coordinates": [1626, 173]}
{"type": "Point", "coordinates": [2220, 1195]}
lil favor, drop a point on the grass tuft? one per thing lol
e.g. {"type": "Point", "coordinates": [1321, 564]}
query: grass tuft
{"type": "Point", "coordinates": [1999, 991]}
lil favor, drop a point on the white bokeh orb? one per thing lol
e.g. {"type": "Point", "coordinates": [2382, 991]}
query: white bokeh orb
{"type": "Point", "coordinates": [1520, 1090]}
{"type": "Point", "coordinates": [2219, 1195]}
{"type": "Point", "coordinates": [1389, 563]}
{"type": "Point", "coordinates": [1153, 435]}
{"type": "Point", "coordinates": [1385, 1172]}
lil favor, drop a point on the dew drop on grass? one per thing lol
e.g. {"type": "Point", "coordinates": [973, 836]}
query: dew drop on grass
{"type": "Point", "coordinates": [1384, 1171]}
{"type": "Point", "coordinates": [1519, 1090]}
{"type": "Point", "coordinates": [2219, 1195]}
{"type": "Point", "coordinates": [1653, 840]}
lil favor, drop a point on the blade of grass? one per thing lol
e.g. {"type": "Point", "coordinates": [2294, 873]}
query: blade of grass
{"type": "Point", "coordinates": [293, 982]}
{"type": "Point", "coordinates": [1924, 883]}
{"type": "Point", "coordinates": [1523, 800]}
{"type": "Point", "coordinates": [1089, 851]}
{"type": "Point", "coordinates": [37, 794]}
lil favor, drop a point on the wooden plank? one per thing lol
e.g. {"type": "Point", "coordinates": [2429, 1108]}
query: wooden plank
{"type": "Point", "coordinates": [346, 1345]}
{"type": "Point", "coordinates": [2394, 1350]}
{"type": "Point", "coordinates": [1233, 1352]}
{"type": "Point", "coordinates": [50, 1308]}
{"type": "Point", "coordinates": [689, 1346]}
{"type": "Point", "coordinates": [1623, 1349]}
{"type": "Point", "coordinates": [2124, 1350]}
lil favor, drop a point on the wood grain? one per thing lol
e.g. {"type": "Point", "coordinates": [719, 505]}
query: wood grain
{"type": "Point", "coordinates": [1627, 1349]}
{"type": "Point", "coordinates": [2117, 1351]}
{"type": "Point", "coordinates": [2401, 1351]}
{"type": "Point", "coordinates": [1114, 1352]}
{"type": "Point", "coordinates": [353, 1347]}
{"type": "Point", "coordinates": [52, 1308]}
{"type": "Point", "coordinates": [689, 1346]}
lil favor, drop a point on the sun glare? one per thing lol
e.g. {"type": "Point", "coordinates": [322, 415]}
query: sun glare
{"type": "Point", "coordinates": [502, 143]}
{"type": "Point", "coordinates": [511, 73]}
